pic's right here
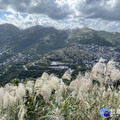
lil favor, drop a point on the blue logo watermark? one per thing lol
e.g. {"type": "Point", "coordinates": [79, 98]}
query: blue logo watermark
{"type": "Point", "coordinates": [104, 112]}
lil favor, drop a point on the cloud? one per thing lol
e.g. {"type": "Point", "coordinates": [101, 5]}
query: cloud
{"type": "Point", "coordinates": [51, 8]}
{"type": "Point", "coordinates": [28, 20]}
{"type": "Point", "coordinates": [62, 14]}
{"type": "Point", "coordinates": [104, 9]}
{"type": "Point", "coordinates": [60, 9]}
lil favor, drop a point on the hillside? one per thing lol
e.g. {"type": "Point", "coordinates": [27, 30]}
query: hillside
{"type": "Point", "coordinates": [88, 36]}
{"type": "Point", "coordinates": [50, 97]}
{"type": "Point", "coordinates": [43, 39]}
{"type": "Point", "coordinates": [29, 52]}
{"type": "Point", "coordinates": [36, 39]}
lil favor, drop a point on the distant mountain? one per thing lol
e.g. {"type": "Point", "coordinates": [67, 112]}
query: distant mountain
{"type": "Point", "coordinates": [44, 39]}
{"type": "Point", "coordinates": [8, 33]}
{"type": "Point", "coordinates": [35, 39]}
{"type": "Point", "coordinates": [36, 47]}
{"type": "Point", "coordinates": [88, 36]}
{"type": "Point", "coordinates": [112, 37]}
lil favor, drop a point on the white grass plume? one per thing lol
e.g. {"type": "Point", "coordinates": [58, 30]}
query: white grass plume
{"type": "Point", "coordinates": [59, 93]}
{"type": "Point", "coordinates": [63, 87]}
{"type": "Point", "coordinates": [67, 75]}
{"type": "Point", "coordinates": [54, 82]}
{"type": "Point", "coordinates": [112, 74]}
{"type": "Point", "coordinates": [38, 84]}
{"type": "Point", "coordinates": [2, 92]}
{"type": "Point", "coordinates": [51, 85]}
{"type": "Point", "coordinates": [98, 71]}
{"type": "Point", "coordinates": [22, 112]}
{"type": "Point", "coordinates": [20, 93]}
{"type": "Point", "coordinates": [45, 91]}
{"type": "Point", "coordinates": [45, 76]}
{"type": "Point", "coordinates": [81, 85]}
{"type": "Point", "coordinates": [2, 118]}
{"type": "Point", "coordinates": [29, 87]}
{"type": "Point", "coordinates": [8, 100]}
{"type": "Point", "coordinates": [9, 87]}
{"type": "Point", "coordinates": [13, 90]}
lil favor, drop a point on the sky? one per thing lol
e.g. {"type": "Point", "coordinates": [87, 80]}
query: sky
{"type": "Point", "coordinates": [62, 14]}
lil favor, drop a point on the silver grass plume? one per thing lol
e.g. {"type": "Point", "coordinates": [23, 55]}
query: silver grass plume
{"type": "Point", "coordinates": [44, 76]}
{"type": "Point", "coordinates": [38, 84]}
{"type": "Point", "coordinates": [51, 85]}
{"type": "Point", "coordinates": [13, 90]}
{"type": "Point", "coordinates": [112, 73]}
{"type": "Point", "coordinates": [20, 93]}
{"type": "Point", "coordinates": [98, 71]}
{"type": "Point", "coordinates": [2, 118]}
{"type": "Point", "coordinates": [61, 91]}
{"type": "Point", "coordinates": [21, 90]}
{"type": "Point", "coordinates": [22, 112]}
{"type": "Point", "coordinates": [55, 81]}
{"type": "Point", "coordinates": [81, 85]}
{"type": "Point", "coordinates": [2, 92]}
{"type": "Point", "coordinates": [67, 75]}
{"type": "Point", "coordinates": [10, 87]}
{"type": "Point", "coordinates": [8, 100]}
{"type": "Point", "coordinates": [63, 87]}
{"type": "Point", "coordinates": [85, 84]}
{"type": "Point", "coordinates": [30, 87]}
{"type": "Point", "coordinates": [45, 91]}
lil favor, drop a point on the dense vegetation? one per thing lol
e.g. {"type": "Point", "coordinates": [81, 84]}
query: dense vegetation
{"type": "Point", "coordinates": [89, 36]}
{"type": "Point", "coordinates": [43, 45]}
{"type": "Point", "coordinates": [40, 39]}
{"type": "Point", "coordinates": [53, 98]}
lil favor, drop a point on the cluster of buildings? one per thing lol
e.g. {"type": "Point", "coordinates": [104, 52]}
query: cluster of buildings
{"type": "Point", "coordinates": [98, 52]}
{"type": "Point", "coordinates": [19, 57]}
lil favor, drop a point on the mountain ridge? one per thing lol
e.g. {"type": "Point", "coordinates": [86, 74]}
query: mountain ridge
{"type": "Point", "coordinates": [29, 52]}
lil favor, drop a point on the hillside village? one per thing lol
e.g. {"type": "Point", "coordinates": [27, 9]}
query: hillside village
{"type": "Point", "coordinates": [96, 52]}
{"type": "Point", "coordinates": [99, 52]}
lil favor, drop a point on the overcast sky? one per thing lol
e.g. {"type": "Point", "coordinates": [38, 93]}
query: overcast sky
{"type": "Point", "coordinates": [62, 14]}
